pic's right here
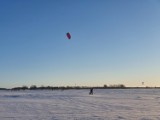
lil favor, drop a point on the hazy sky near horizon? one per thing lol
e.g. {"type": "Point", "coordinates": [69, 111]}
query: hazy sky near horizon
{"type": "Point", "coordinates": [113, 42]}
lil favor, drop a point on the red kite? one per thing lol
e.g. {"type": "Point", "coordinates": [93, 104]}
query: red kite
{"type": "Point", "coordinates": [68, 35]}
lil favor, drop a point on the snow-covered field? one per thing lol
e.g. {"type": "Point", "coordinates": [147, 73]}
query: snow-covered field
{"type": "Point", "coordinates": [105, 104]}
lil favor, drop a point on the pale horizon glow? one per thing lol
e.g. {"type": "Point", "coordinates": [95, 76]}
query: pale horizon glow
{"type": "Point", "coordinates": [113, 42]}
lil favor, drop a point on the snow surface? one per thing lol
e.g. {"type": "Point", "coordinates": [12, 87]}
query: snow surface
{"type": "Point", "coordinates": [105, 104]}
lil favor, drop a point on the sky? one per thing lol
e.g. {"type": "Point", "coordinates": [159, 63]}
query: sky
{"type": "Point", "coordinates": [112, 42]}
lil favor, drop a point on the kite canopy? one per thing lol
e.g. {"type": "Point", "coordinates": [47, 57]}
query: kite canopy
{"type": "Point", "coordinates": [68, 35]}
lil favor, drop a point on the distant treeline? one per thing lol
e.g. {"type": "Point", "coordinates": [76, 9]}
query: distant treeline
{"type": "Point", "coordinates": [34, 87]}
{"type": "Point", "coordinates": [3, 89]}
{"type": "Point", "coordinates": [118, 86]}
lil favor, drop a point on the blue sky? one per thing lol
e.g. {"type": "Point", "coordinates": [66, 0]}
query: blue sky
{"type": "Point", "coordinates": [113, 42]}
